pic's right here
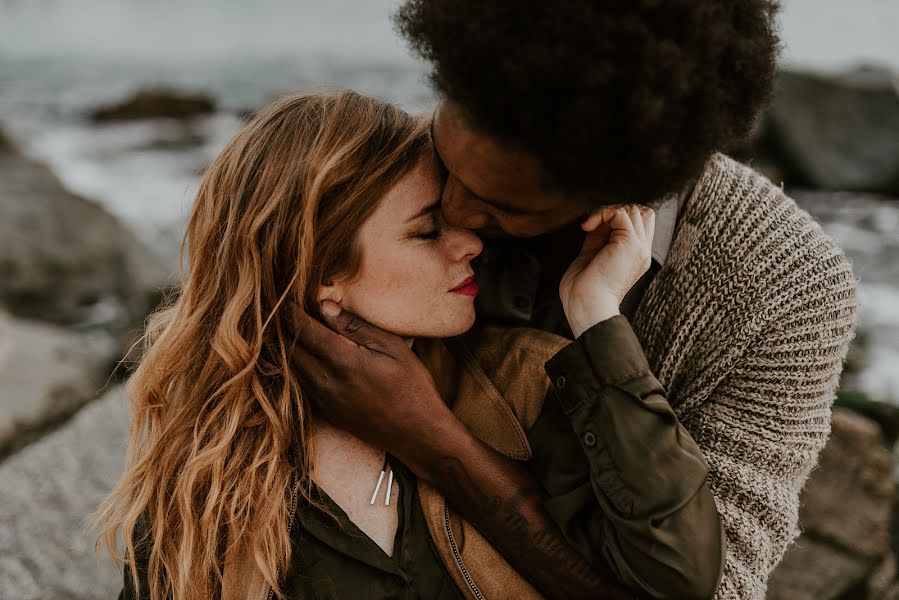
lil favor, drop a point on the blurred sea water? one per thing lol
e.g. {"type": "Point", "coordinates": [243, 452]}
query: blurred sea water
{"type": "Point", "coordinates": [61, 58]}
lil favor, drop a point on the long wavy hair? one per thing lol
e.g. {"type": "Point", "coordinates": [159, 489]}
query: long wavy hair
{"type": "Point", "coordinates": [219, 425]}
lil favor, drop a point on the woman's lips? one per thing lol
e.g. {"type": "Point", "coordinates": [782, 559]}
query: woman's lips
{"type": "Point", "coordinates": [466, 288]}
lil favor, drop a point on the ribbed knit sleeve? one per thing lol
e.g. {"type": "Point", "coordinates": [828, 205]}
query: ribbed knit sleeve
{"type": "Point", "coordinates": [748, 325]}
{"type": "Point", "coordinates": [763, 427]}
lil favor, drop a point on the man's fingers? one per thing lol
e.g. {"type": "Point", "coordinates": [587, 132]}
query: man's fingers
{"type": "Point", "coordinates": [318, 339]}
{"type": "Point", "coordinates": [310, 368]}
{"type": "Point", "coordinates": [360, 331]}
{"type": "Point", "coordinates": [621, 224]}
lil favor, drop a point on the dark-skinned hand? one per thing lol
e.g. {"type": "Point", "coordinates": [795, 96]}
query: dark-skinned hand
{"type": "Point", "coordinates": [368, 382]}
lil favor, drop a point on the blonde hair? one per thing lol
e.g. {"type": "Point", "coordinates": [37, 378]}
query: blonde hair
{"type": "Point", "coordinates": [219, 424]}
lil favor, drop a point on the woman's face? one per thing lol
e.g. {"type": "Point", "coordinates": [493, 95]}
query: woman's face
{"type": "Point", "coordinates": [415, 278]}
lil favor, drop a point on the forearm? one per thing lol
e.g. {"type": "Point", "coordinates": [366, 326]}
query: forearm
{"type": "Point", "coordinates": [503, 502]}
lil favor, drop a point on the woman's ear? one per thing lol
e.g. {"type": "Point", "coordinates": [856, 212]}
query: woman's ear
{"type": "Point", "coordinates": [329, 290]}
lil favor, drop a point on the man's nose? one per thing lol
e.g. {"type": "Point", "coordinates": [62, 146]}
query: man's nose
{"type": "Point", "coordinates": [461, 208]}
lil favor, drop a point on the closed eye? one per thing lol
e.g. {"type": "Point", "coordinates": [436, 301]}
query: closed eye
{"type": "Point", "coordinates": [430, 235]}
{"type": "Point", "coordinates": [436, 229]}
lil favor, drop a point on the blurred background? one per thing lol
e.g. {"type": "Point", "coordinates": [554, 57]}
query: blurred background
{"type": "Point", "coordinates": [109, 111]}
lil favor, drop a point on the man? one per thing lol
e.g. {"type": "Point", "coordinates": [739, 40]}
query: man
{"type": "Point", "coordinates": [696, 413]}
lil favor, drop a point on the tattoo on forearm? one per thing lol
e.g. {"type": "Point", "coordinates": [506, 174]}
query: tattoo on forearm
{"type": "Point", "coordinates": [525, 535]}
{"type": "Point", "coordinates": [454, 480]}
{"type": "Point", "coordinates": [546, 539]}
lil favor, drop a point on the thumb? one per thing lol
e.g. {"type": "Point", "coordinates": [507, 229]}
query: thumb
{"type": "Point", "coordinates": [358, 330]}
{"type": "Point", "coordinates": [595, 240]}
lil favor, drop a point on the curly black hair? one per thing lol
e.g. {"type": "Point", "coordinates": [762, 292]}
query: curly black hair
{"type": "Point", "coordinates": [620, 100]}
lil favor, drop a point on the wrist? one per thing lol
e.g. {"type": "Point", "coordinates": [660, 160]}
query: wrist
{"type": "Point", "coordinates": [439, 436]}
{"type": "Point", "coordinates": [584, 315]}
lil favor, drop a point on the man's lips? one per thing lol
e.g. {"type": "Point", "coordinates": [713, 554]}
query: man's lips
{"type": "Point", "coordinates": [467, 287]}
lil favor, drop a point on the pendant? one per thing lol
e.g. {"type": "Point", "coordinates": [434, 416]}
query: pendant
{"type": "Point", "coordinates": [384, 469]}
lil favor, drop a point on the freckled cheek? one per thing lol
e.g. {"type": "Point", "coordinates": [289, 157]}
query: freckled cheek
{"type": "Point", "coordinates": [405, 275]}
{"type": "Point", "coordinates": [402, 283]}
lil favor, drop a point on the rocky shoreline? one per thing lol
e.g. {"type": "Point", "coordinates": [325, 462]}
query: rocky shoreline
{"type": "Point", "coordinates": [76, 285]}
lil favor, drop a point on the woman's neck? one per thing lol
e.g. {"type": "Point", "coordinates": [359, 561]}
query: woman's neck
{"type": "Point", "coordinates": [347, 469]}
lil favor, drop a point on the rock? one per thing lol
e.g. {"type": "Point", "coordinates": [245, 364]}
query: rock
{"type": "Point", "coordinates": [836, 133]}
{"type": "Point", "coordinates": [49, 490]}
{"type": "Point", "coordinates": [845, 517]}
{"type": "Point", "coordinates": [854, 472]}
{"type": "Point", "coordinates": [883, 413]}
{"type": "Point", "coordinates": [882, 584]}
{"type": "Point", "coordinates": [66, 260]}
{"type": "Point", "coordinates": [811, 567]}
{"type": "Point", "coordinates": [156, 103]}
{"type": "Point", "coordinates": [46, 374]}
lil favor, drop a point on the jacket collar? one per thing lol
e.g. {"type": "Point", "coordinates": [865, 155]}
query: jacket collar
{"type": "Point", "coordinates": [473, 397]}
{"type": "Point", "coordinates": [666, 222]}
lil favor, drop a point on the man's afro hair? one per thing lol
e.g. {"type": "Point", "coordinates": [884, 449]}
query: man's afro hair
{"type": "Point", "coordinates": [620, 100]}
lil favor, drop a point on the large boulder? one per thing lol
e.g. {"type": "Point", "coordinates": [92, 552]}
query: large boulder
{"type": "Point", "coordinates": [66, 260]}
{"type": "Point", "coordinates": [49, 489]}
{"type": "Point", "coordinates": [835, 132]}
{"type": "Point", "coordinates": [47, 372]}
{"type": "Point", "coordinates": [154, 104]}
{"type": "Point", "coordinates": [845, 517]}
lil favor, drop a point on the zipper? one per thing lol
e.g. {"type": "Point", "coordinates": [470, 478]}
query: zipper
{"type": "Point", "coordinates": [452, 540]}
{"type": "Point", "coordinates": [293, 509]}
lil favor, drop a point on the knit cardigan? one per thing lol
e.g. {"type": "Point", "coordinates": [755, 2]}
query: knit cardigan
{"type": "Point", "coordinates": [747, 326]}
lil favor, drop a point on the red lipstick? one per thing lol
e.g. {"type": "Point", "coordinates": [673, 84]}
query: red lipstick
{"type": "Point", "coordinates": [466, 288]}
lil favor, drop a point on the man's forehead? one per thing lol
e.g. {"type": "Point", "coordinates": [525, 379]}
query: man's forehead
{"type": "Point", "coordinates": [485, 165]}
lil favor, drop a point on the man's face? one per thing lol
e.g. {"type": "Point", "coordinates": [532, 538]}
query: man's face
{"type": "Point", "coordinates": [494, 188]}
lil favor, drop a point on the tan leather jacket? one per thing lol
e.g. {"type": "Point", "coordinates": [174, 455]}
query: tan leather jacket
{"type": "Point", "coordinates": [493, 379]}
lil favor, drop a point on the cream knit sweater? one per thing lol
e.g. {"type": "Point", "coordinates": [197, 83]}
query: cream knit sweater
{"type": "Point", "coordinates": [747, 325]}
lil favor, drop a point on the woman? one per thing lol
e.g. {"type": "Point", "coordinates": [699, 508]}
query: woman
{"type": "Point", "coordinates": [322, 197]}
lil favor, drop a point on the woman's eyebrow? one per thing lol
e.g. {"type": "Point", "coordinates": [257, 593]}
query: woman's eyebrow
{"type": "Point", "coordinates": [425, 211]}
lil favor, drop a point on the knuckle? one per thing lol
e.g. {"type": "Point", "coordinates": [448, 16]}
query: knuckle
{"type": "Point", "coordinates": [367, 342]}
{"type": "Point", "coordinates": [354, 324]}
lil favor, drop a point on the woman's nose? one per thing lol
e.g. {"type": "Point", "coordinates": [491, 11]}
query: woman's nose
{"type": "Point", "coordinates": [465, 244]}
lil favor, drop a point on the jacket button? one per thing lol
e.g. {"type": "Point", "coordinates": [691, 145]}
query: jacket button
{"type": "Point", "coordinates": [589, 439]}
{"type": "Point", "coordinates": [560, 382]}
